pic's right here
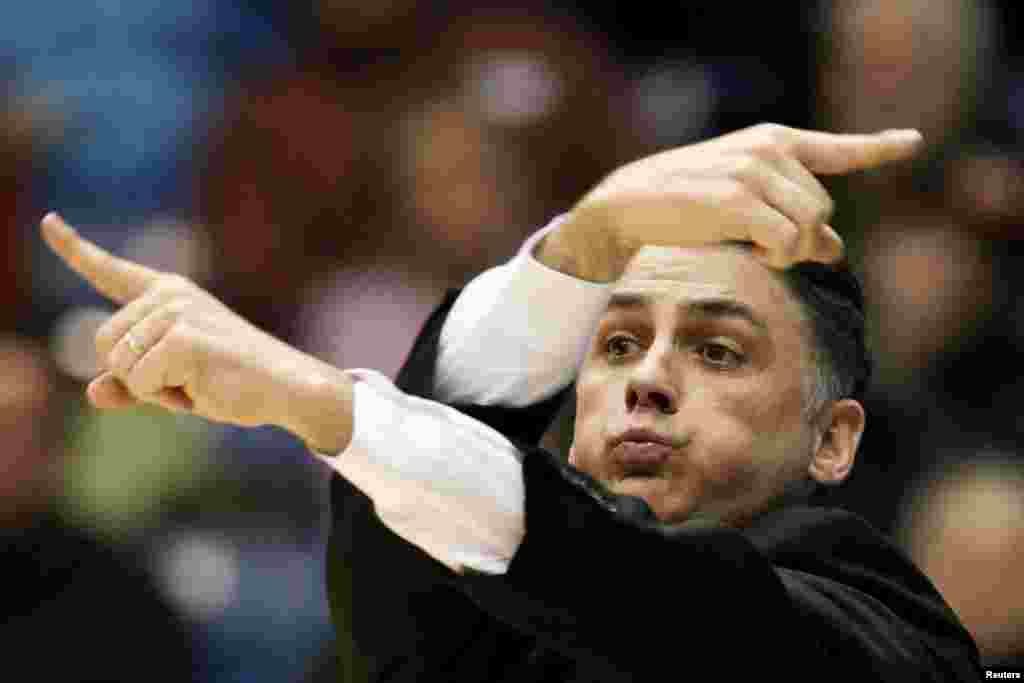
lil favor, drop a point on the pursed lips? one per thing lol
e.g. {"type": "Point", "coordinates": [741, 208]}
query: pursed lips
{"type": "Point", "coordinates": [643, 452]}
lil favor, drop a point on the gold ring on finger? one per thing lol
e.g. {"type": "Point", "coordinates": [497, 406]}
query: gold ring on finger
{"type": "Point", "coordinates": [133, 343]}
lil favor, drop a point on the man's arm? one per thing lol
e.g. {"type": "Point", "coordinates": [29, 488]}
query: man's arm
{"type": "Point", "coordinates": [515, 334]}
{"type": "Point", "coordinates": [443, 481]}
{"type": "Point", "coordinates": [173, 344]}
{"type": "Point", "coordinates": [505, 349]}
{"type": "Point", "coordinates": [595, 581]}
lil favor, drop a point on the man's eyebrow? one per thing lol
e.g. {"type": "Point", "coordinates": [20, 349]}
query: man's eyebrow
{"type": "Point", "coordinates": [726, 308]}
{"type": "Point", "coordinates": [627, 300]}
{"type": "Point", "coordinates": [713, 307]}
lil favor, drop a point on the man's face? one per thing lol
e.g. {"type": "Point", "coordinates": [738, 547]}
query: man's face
{"type": "Point", "coordinates": [705, 351]}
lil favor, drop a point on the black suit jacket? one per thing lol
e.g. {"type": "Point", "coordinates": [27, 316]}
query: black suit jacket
{"type": "Point", "coordinates": [599, 592]}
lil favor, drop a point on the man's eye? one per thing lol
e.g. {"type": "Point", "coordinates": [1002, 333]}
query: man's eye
{"type": "Point", "coordinates": [720, 355]}
{"type": "Point", "coordinates": [619, 345]}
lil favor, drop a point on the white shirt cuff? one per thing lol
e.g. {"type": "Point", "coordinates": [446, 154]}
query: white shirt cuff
{"type": "Point", "coordinates": [439, 479]}
{"type": "Point", "coordinates": [518, 332]}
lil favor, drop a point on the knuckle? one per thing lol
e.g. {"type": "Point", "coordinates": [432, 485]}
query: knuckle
{"type": "Point", "coordinates": [176, 333]}
{"type": "Point", "coordinates": [784, 240]}
{"type": "Point", "coordinates": [180, 336]}
{"type": "Point", "coordinates": [111, 362]}
{"type": "Point", "coordinates": [177, 307]}
{"type": "Point", "coordinates": [789, 235]}
{"type": "Point", "coordinates": [772, 134]}
{"type": "Point", "coordinates": [104, 339]}
{"type": "Point", "coordinates": [823, 214]}
{"type": "Point", "coordinates": [172, 283]}
{"type": "Point", "coordinates": [137, 387]}
{"type": "Point", "coordinates": [147, 380]}
{"type": "Point", "coordinates": [735, 193]}
{"type": "Point", "coordinates": [823, 210]}
{"type": "Point", "coordinates": [103, 260]}
{"type": "Point", "coordinates": [746, 167]}
{"type": "Point", "coordinates": [770, 152]}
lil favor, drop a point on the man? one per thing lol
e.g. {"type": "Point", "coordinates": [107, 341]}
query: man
{"type": "Point", "coordinates": [715, 392]}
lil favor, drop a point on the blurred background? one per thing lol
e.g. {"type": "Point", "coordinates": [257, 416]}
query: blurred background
{"type": "Point", "coordinates": [328, 168]}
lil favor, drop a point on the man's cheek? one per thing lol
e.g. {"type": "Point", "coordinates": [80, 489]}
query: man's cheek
{"type": "Point", "coordinates": [726, 457]}
{"type": "Point", "coordinates": [592, 415]}
{"type": "Point", "coordinates": [591, 387]}
{"type": "Point", "coordinates": [586, 451]}
{"type": "Point", "coordinates": [596, 404]}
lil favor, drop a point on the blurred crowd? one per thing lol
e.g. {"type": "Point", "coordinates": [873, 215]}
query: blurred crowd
{"type": "Point", "coordinates": [330, 168]}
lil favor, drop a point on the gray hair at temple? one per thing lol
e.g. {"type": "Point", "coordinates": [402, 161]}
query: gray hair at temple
{"type": "Point", "coordinates": [833, 300]}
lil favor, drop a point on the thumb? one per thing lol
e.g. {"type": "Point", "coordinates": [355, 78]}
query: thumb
{"type": "Point", "coordinates": [107, 391]}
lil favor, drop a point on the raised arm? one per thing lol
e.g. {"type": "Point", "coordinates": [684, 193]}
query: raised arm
{"type": "Point", "coordinates": [175, 345]}
{"type": "Point", "coordinates": [755, 185]}
{"type": "Point", "coordinates": [514, 335]}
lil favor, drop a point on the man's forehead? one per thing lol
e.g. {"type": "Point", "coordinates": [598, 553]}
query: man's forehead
{"type": "Point", "coordinates": [712, 281]}
{"type": "Point", "coordinates": [718, 271]}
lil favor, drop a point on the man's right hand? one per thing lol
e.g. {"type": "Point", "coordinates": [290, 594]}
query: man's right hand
{"type": "Point", "coordinates": [754, 185]}
{"type": "Point", "coordinates": [173, 344]}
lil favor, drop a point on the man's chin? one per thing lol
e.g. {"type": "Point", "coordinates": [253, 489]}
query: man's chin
{"type": "Point", "coordinates": [669, 512]}
{"type": "Point", "coordinates": [652, 490]}
{"type": "Point", "coordinates": [641, 486]}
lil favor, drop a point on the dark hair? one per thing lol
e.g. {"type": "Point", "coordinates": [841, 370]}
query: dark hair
{"type": "Point", "coordinates": [833, 300]}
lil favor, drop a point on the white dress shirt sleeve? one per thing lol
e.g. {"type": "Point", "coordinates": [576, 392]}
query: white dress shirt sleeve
{"type": "Point", "coordinates": [517, 332]}
{"type": "Point", "coordinates": [441, 480]}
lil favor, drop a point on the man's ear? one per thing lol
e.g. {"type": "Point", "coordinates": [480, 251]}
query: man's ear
{"type": "Point", "coordinates": [836, 450]}
{"type": "Point", "coordinates": [572, 455]}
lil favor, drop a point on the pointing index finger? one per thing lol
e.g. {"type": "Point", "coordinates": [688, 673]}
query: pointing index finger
{"type": "Point", "coordinates": [116, 278]}
{"type": "Point", "coordinates": [834, 153]}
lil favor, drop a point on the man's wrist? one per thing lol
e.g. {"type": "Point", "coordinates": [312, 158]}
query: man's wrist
{"type": "Point", "coordinates": [320, 405]}
{"type": "Point", "coordinates": [583, 248]}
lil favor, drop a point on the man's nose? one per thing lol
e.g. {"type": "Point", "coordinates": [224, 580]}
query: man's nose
{"type": "Point", "coordinates": [650, 388]}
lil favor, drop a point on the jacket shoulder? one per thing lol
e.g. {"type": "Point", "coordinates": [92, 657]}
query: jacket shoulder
{"type": "Point", "coordinates": [857, 584]}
